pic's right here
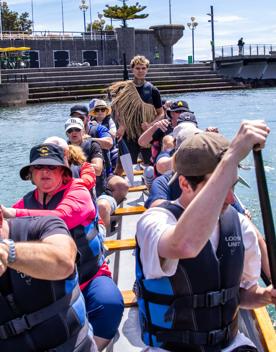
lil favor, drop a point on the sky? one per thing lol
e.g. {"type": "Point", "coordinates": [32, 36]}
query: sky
{"type": "Point", "coordinates": [253, 20]}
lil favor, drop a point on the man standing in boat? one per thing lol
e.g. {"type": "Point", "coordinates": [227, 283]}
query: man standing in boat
{"type": "Point", "coordinates": [194, 272]}
{"type": "Point", "coordinates": [137, 106]}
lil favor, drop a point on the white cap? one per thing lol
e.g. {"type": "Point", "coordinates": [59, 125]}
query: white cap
{"type": "Point", "coordinates": [73, 122]}
{"type": "Point", "coordinates": [183, 131]}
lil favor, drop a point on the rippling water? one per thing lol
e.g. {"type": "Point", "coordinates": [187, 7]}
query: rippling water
{"type": "Point", "coordinates": [21, 128]}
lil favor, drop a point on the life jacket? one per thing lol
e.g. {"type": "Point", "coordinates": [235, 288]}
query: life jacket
{"type": "Point", "coordinates": [113, 152]}
{"type": "Point", "coordinates": [100, 180]}
{"type": "Point", "coordinates": [196, 308]}
{"type": "Point", "coordinates": [32, 307]}
{"type": "Point", "coordinates": [146, 92]}
{"type": "Point", "coordinates": [89, 238]}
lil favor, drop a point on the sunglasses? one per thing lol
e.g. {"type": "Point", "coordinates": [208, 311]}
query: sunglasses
{"type": "Point", "coordinates": [73, 130]}
{"type": "Point", "coordinates": [49, 167]}
{"type": "Point", "coordinates": [100, 109]}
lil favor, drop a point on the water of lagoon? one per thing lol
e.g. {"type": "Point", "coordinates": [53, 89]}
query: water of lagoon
{"type": "Point", "coordinates": [21, 128]}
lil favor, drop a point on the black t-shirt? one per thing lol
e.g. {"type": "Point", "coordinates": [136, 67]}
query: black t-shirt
{"type": "Point", "coordinates": [34, 228]}
{"type": "Point", "coordinates": [93, 150]}
{"type": "Point", "coordinates": [156, 98]}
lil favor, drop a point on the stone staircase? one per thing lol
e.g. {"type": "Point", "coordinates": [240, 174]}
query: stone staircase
{"type": "Point", "coordinates": [61, 84]}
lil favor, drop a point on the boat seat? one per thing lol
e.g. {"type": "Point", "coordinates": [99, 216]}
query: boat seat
{"type": "Point", "coordinates": [129, 298]}
{"type": "Point", "coordinates": [119, 245]}
{"type": "Point", "coordinates": [139, 209]}
{"type": "Point", "coordinates": [137, 188]}
{"type": "Point", "coordinates": [135, 172]}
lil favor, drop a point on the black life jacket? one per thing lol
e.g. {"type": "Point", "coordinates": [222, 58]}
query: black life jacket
{"type": "Point", "coordinates": [196, 308]}
{"type": "Point", "coordinates": [146, 92]}
{"type": "Point", "coordinates": [100, 180]}
{"type": "Point", "coordinates": [32, 307]}
{"type": "Point", "coordinates": [89, 238]}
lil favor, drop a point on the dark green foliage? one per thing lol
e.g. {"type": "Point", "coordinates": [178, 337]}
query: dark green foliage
{"type": "Point", "coordinates": [13, 21]}
{"type": "Point", "coordinates": [125, 12]}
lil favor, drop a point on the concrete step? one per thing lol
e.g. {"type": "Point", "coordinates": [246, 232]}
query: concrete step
{"type": "Point", "coordinates": [100, 90]}
{"type": "Point", "coordinates": [153, 67]}
{"type": "Point", "coordinates": [111, 77]}
{"type": "Point", "coordinates": [102, 95]}
{"type": "Point", "coordinates": [55, 73]}
{"type": "Point", "coordinates": [34, 88]}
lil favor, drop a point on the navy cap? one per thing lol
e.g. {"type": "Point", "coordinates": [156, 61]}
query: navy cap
{"type": "Point", "coordinates": [45, 154]}
{"type": "Point", "coordinates": [80, 109]}
{"type": "Point", "coordinates": [187, 117]}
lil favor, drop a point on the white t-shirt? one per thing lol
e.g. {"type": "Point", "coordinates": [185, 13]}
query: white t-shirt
{"type": "Point", "coordinates": [155, 221]}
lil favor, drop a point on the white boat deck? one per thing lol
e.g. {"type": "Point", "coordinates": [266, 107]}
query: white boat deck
{"type": "Point", "coordinates": [122, 265]}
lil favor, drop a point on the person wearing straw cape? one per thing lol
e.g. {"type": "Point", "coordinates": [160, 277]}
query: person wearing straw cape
{"type": "Point", "coordinates": [137, 105]}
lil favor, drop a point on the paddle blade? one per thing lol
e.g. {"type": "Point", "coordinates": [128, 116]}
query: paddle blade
{"type": "Point", "coordinates": [127, 166]}
{"type": "Point", "coordinates": [126, 161]}
{"type": "Point", "coordinates": [268, 223]}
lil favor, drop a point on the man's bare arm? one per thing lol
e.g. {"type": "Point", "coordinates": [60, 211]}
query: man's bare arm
{"type": "Point", "coordinates": [52, 258]}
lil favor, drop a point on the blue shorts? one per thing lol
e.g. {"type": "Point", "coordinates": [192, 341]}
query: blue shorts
{"type": "Point", "coordinates": [104, 305]}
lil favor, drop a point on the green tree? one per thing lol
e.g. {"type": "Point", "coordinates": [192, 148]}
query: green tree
{"type": "Point", "coordinates": [125, 12]}
{"type": "Point", "coordinates": [13, 21]}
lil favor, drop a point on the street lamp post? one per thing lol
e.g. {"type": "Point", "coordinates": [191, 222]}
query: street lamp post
{"type": "Point", "coordinates": [90, 15]}
{"type": "Point", "coordinates": [192, 25]}
{"type": "Point", "coordinates": [83, 8]}
{"type": "Point", "coordinates": [1, 28]}
{"type": "Point", "coordinates": [32, 10]}
{"type": "Point", "coordinates": [170, 11]}
{"type": "Point", "coordinates": [62, 16]}
{"type": "Point", "coordinates": [211, 14]}
{"type": "Point", "coordinates": [101, 22]}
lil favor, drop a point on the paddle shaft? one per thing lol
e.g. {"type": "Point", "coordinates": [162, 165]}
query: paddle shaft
{"type": "Point", "coordinates": [268, 223]}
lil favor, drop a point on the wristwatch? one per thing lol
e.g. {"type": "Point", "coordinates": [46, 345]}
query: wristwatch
{"type": "Point", "coordinates": [12, 252]}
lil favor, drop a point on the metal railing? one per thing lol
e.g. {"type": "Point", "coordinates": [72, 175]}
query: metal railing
{"type": "Point", "coordinates": [49, 35]}
{"type": "Point", "coordinates": [247, 50]}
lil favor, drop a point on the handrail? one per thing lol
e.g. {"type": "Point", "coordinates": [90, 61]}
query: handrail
{"type": "Point", "coordinates": [247, 50]}
{"type": "Point", "coordinates": [66, 35]}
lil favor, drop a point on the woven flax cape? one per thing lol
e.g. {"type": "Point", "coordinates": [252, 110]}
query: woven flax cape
{"type": "Point", "coordinates": [131, 108]}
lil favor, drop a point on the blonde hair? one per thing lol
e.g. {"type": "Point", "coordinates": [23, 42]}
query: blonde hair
{"type": "Point", "coordinates": [139, 60]}
{"type": "Point", "coordinates": [76, 155]}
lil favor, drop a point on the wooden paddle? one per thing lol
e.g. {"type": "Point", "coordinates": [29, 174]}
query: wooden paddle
{"type": "Point", "coordinates": [268, 223]}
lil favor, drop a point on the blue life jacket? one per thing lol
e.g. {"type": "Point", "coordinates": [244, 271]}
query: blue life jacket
{"type": "Point", "coordinates": [89, 238]}
{"type": "Point", "coordinates": [39, 315]}
{"type": "Point", "coordinates": [196, 308]}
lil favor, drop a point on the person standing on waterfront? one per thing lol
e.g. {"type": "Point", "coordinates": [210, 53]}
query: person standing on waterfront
{"type": "Point", "coordinates": [240, 46]}
{"type": "Point", "coordinates": [137, 105]}
{"type": "Point", "coordinates": [195, 296]}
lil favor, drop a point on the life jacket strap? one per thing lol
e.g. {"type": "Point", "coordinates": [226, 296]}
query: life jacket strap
{"type": "Point", "coordinates": [206, 300]}
{"type": "Point", "coordinates": [211, 338]}
{"type": "Point", "coordinates": [28, 321]}
{"type": "Point", "coordinates": [83, 334]}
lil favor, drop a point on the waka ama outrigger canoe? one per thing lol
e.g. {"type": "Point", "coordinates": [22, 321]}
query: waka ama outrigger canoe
{"type": "Point", "coordinates": [256, 324]}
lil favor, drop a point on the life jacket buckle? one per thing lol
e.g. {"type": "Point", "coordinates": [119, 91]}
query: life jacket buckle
{"type": "Point", "coordinates": [215, 337]}
{"type": "Point", "coordinates": [18, 325]}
